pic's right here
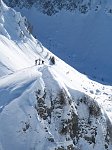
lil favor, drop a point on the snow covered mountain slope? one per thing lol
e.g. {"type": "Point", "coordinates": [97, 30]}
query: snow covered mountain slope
{"type": "Point", "coordinates": [81, 36]}
{"type": "Point", "coordinates": [17, 42]}
{"type": "Point", "coordinates": [47, 106]}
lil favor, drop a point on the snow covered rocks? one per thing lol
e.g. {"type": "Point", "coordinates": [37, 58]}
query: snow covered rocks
{"type": "Point", "coordinates": [47, 106]}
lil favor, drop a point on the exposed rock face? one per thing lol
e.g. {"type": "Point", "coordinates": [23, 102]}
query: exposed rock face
{"type": "Point", "coordinates": [51, 7]}
{"type": "Point", "coordinates": [39, 109]}
{"type": "Point", "coordinates": [69, 123]}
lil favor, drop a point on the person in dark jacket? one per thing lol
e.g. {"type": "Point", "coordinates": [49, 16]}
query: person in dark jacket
{"type": "Point", "coordinates": [36, 62]}
{"type": "Point", "coordinates": [42, 61]}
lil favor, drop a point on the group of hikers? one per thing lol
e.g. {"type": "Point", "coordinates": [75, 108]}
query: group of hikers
{"type": "Point", "coordinates": [40, 61]}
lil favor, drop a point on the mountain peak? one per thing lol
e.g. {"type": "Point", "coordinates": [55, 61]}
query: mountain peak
{"type": "Point", "coordinates": [44, 103]}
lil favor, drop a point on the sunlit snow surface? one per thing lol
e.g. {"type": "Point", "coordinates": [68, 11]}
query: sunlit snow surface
{"type": "Point", "coordinates": [20, 79]}
{"type": "Point", "coordinates": [81, 40]}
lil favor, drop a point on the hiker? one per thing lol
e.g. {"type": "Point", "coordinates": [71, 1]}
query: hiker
{"type": "Point", "coordinates": [42, 61]}
{"type": "Point", "coordinates": [39, 61]}
{"type": "Point", "coordinates": [36, 62]}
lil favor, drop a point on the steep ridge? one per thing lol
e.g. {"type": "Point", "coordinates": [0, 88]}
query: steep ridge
{"type": "Point", "coordinates": [80, 35]}
{"type": "Point", "coordinates": [18, 47]}
{"type": "Point", "coordinates": [47, 106]}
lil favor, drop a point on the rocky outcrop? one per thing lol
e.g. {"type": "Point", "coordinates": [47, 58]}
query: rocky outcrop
{"type": "Point", "coordinates": [71, 123]}
{"type": "Point", "coordinates": [52, 7]}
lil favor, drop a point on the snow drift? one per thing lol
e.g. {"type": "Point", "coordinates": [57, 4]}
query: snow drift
{"type": "Point", "coordinates": [47, 106]}
{"type": "Point", "coordinates": [78, 31]}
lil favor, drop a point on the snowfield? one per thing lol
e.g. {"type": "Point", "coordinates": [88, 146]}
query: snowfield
{"type": "Point", "coordinates": [83, 40]}
{"type": "Point", "coordinates": [47, 106]}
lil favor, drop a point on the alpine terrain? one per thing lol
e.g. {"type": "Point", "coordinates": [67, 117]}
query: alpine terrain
{"type": "Point", "coordinates": [44, 103]}
{"type": "Point", "coordinates": [77, 31]}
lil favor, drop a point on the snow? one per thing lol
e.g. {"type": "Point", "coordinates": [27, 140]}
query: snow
{"type": "Point", "coordinates": [81, 40]}
{"type": "Point", "coordinates": [21, 126]}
